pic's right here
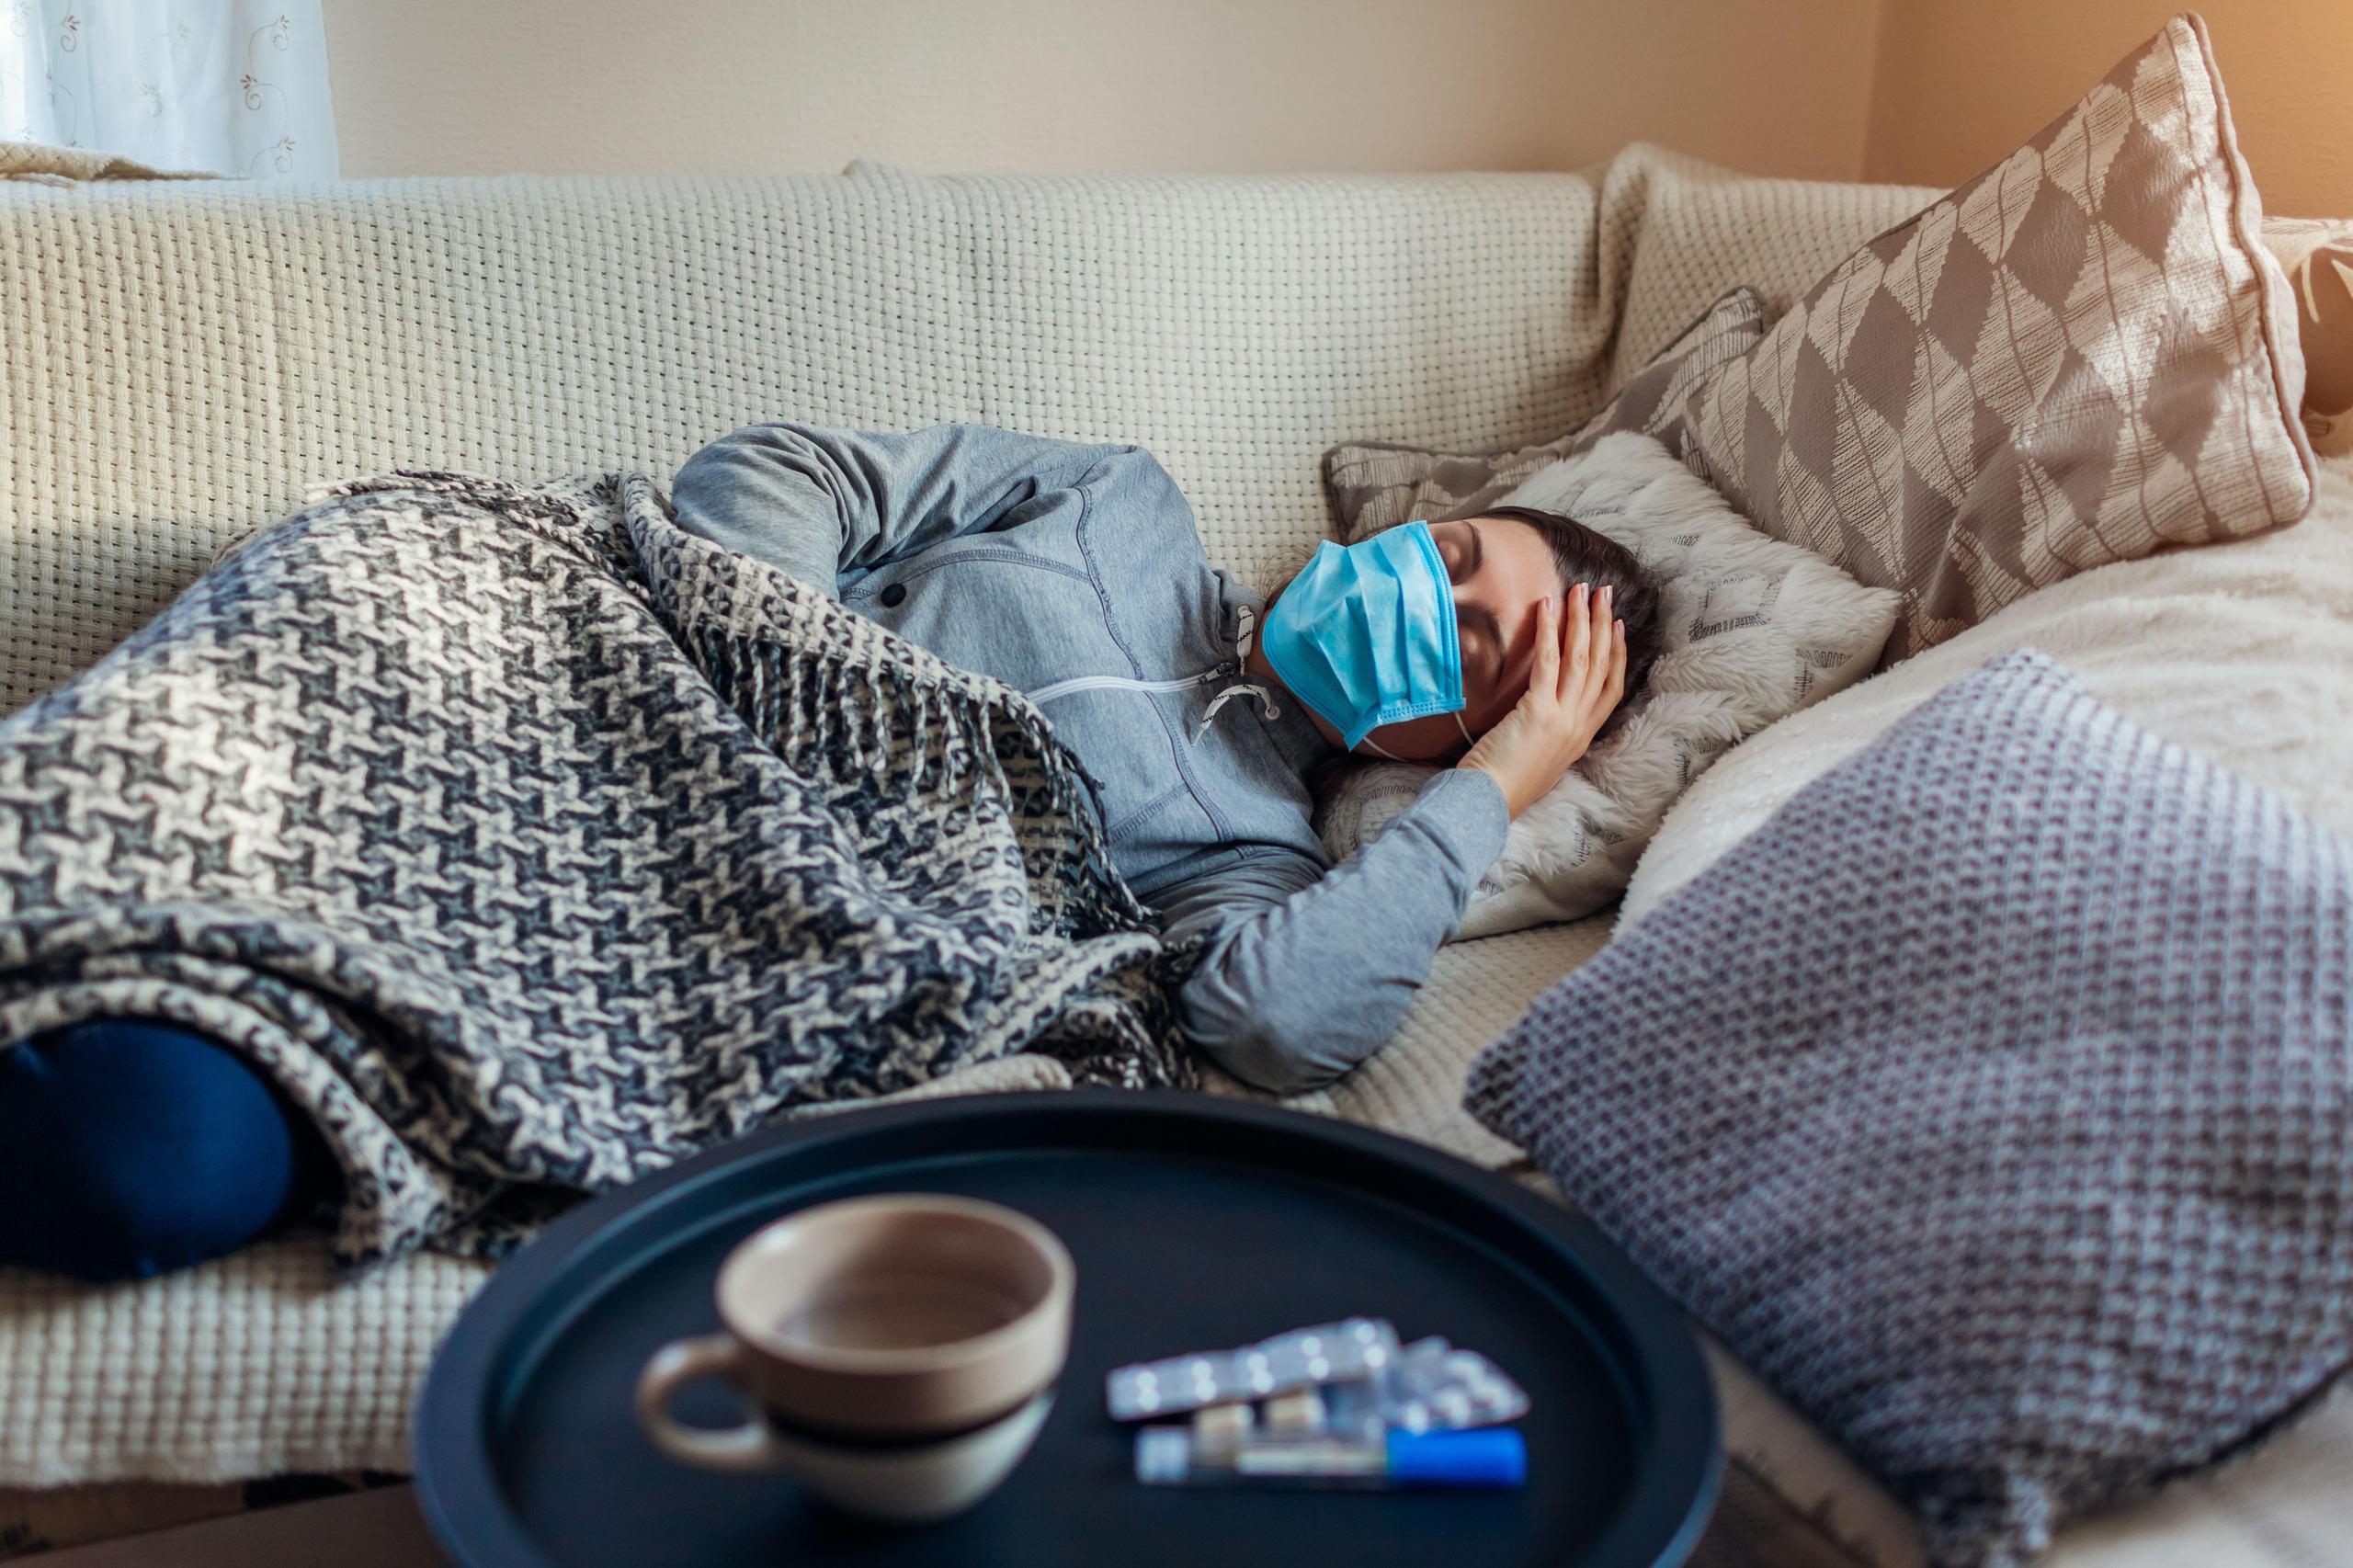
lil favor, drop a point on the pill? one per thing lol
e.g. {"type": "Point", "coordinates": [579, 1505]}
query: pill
{"type": "Point", "coordinates": [1297, 1412]}
{"type": "Point", "coordinates": [1221, 1426]}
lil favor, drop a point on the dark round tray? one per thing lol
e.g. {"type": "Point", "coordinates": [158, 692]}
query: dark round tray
{"type": "Point", "coordinates": [1196, 1224]}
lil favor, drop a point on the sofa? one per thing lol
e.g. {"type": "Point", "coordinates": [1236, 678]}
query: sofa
{"type": "Point", "coordinates": [183, 357]}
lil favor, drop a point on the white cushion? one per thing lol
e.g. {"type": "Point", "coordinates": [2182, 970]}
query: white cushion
{"type": "Point", "coordinates": [2241, 652]}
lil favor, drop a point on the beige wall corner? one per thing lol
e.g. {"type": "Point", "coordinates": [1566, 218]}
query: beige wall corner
{"type": "Point", "coordinates": [1958, 85]}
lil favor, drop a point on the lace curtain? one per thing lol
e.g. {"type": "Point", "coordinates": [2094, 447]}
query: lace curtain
{"type": "Point", "coordinates": [232, 87]}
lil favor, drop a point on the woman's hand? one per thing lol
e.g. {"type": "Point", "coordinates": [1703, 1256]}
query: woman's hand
{"type": "Point", "coordinates": [1579, 675]}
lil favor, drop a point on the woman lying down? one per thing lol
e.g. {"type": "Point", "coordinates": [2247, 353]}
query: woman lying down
{"type": "Point", "coordinates": [1498, 644]}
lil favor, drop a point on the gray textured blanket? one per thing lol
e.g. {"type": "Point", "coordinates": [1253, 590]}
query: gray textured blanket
{"type": "Point", "coordinates": [532, 843]}
{"type": "Point", "coordinates": [1992, 1100]}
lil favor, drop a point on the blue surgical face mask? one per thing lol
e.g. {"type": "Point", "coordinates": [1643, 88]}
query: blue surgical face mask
{"type": "Point", "coordinates": [1365, 634]}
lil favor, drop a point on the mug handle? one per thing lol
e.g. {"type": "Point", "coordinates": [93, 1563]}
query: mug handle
{"type": "Point", "coordinates": [746, 1448]}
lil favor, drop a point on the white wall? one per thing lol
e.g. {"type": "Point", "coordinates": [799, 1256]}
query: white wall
{"type": "Point", "coordinates": [743, 86]}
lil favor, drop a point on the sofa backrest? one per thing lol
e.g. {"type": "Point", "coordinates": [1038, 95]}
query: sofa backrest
{"type": "Point", "coordinates": [183, 357]}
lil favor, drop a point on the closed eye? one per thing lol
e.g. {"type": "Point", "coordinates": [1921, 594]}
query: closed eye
{"type": "Point", "coordinates": [1464, 553]}
{"type": "Point", "coordinates": [1481, 635]}
{"type": "Point", "coordinates": [1478, 630]}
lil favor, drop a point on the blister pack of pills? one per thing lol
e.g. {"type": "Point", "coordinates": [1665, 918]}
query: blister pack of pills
{"type": "Point", "coordinates": [1327, 1353]}
{"type": "Point", "coordinates": [1429, 1386]}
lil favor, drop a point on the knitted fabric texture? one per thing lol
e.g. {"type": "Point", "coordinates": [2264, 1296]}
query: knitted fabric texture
{"type": "Point", "coordinates": [533, 844]}
{"type": "Point", "coordinates": [1373, 486]}
{"type": "Point", "coordinates": [1994, 1101]}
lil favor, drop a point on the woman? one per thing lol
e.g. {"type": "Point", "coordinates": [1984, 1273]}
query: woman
{"type": "Point", "coordinates": [1198, 713]}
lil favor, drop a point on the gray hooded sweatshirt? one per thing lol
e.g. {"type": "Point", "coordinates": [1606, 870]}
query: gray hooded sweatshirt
{"type": "Point", "coordinates": [1074, 572]}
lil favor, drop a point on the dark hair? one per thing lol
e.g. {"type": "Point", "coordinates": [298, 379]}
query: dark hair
{"type": "Point", "coordinates": [1585, 556]}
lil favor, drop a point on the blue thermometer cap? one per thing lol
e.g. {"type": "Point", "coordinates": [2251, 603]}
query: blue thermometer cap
{"type": "Point", "coordinates": [1490, 1455]}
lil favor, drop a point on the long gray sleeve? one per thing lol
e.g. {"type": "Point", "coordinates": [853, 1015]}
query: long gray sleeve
{"type": "Point", "coordinates": [1307, 972]}
{"type": "Point", "coordinates": [828, 503]}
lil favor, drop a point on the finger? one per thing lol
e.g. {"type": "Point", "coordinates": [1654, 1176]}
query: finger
{"type": "Point", "coordinates": [1579, 653]}
{"type": "Point", "coordinates": [1605, 611]}
{"type": "Point", "coordinates": [1615, 690]}
{"type": "Point", "coordinates": [1545, 674]}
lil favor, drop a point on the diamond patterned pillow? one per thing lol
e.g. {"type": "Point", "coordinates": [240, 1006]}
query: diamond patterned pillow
{"type": "Point", "coordinates": [1372, 484]}
{"type": "Point", "coordinates": [2081, 356]}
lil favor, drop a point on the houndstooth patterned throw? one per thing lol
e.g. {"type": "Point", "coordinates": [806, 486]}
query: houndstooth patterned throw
{"type": "Point", "coordinates": [532, 843]}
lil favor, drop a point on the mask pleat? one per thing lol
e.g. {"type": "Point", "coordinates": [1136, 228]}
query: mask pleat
{"type": "Point", "coordinates": [1322, 642]}
{"type": "Point", "coordinates": [1362, 633]}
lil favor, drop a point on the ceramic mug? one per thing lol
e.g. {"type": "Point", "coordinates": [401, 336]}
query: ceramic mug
{"type": "Point", "coordinates": [900, 1352]}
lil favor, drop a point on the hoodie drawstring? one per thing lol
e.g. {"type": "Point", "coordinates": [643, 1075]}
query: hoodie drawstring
{"type": "Point", "coordinates": [1045, 694]}
{"type": "Point", "coordinates": [1249, 617]}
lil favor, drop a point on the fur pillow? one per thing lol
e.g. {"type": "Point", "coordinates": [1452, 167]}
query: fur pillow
{"type": "Point", "coordinates": [1752, 629]}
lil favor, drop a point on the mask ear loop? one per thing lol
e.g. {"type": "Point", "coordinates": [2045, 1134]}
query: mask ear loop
{"type": "Point", "coordinates": [1468, 739]}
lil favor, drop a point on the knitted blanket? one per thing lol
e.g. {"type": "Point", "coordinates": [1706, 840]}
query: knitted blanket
{"type": "Point", "coordinates": [1992, 1100]}
{"type": "Point", "coordinates": [531, 843]}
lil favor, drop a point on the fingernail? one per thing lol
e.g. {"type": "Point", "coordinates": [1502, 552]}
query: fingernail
{"type": "Point", "coordinates": [1609, 589]}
